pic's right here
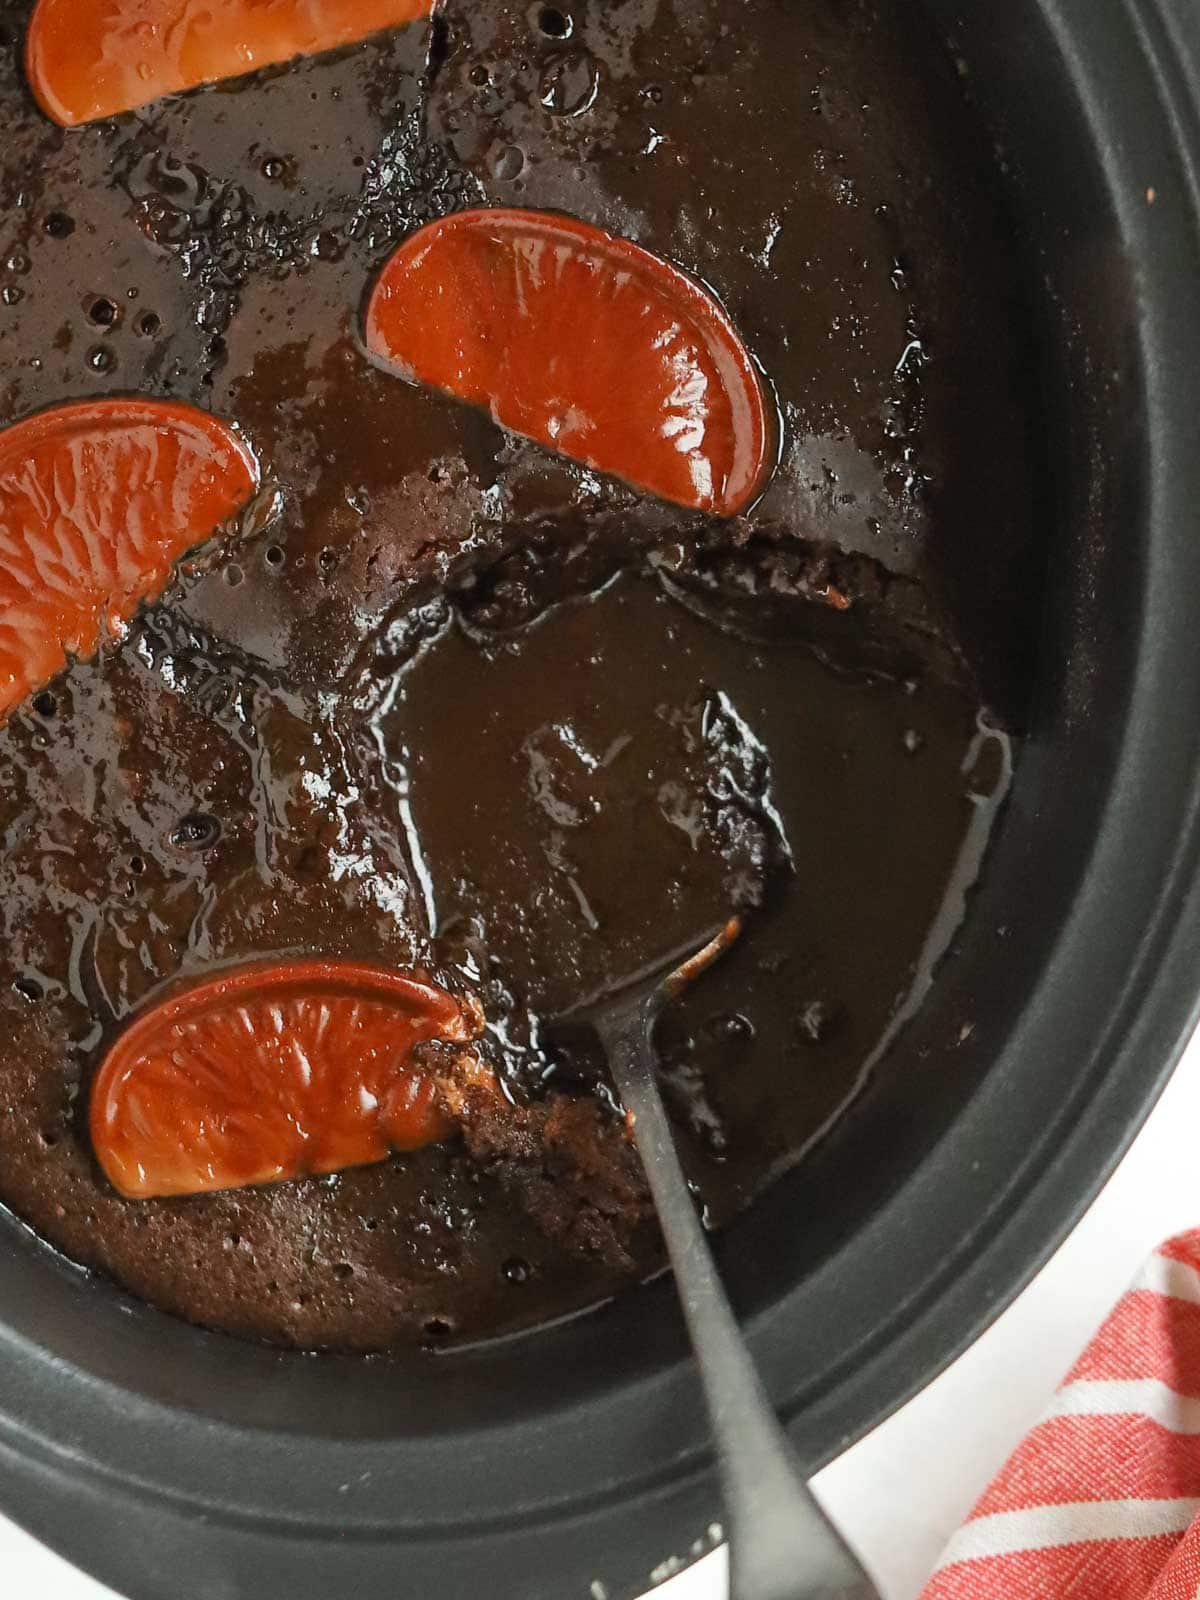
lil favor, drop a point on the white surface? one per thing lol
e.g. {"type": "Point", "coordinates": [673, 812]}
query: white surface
{"type": "Point", "coordinates": [964, 1425]}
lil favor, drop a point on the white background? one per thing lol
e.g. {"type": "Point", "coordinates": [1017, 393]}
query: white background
{"type": "Point", "coordinates": [949, 1441]}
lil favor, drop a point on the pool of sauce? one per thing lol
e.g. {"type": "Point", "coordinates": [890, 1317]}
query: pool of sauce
{"type": "Point", "coordinates": [446, 699]}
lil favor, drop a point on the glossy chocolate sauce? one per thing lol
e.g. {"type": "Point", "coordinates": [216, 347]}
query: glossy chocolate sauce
{"type": "Point", "coordinates": [445, 700]}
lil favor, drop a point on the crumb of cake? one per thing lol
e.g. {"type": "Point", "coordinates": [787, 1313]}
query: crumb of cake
{"type": "Point", "coordinates": [572, 1166]}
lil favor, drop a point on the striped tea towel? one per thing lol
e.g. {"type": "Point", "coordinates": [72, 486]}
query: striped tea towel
{"type": "Point", "coordinates": [1102, 1500]}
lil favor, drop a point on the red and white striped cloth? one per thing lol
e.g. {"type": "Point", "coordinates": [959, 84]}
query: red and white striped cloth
{"type": "Point", "coordinates": [1102, 1499]}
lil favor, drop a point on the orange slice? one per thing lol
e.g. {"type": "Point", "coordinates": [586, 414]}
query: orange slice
{"type": "Point", "coordinates": [95, 58]}
{"type": "Point", "coordinates": [97, 501]}
{"type": "Point", "coordinates": [584, 342]}
{"type": "Point", "coordinates": [270, 1072]}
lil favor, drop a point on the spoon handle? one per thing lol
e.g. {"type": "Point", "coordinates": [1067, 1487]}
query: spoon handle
{"type": "Point", "coordinates": [781, 1544]}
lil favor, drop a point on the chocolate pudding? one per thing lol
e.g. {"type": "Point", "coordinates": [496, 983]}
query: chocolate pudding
{"type": "Point", "coordinates": [444, 700]}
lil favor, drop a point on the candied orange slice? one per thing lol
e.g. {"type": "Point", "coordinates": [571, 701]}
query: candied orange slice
{"type": "Point", "coordinates": [272, 1071]}
{"type": "Point", "coordinates": [97, 501]}
{"type": "Point", "coordinates": [584, 342]}
{"type": "Point", "coordinates": [95, 58]}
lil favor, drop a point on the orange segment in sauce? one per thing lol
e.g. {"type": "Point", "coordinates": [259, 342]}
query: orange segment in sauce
{"type": "Point", "coordinates": [97, 502]}
{"type": "Point", "coordinates": [95, 58]}
{"type": "Point", "coordinates": [584, 342]}
{"type": "Point", "coordinates": [271, 1072]}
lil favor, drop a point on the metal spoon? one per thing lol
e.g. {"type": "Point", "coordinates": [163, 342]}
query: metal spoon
{"type": "Point", "coordinates": [781, 1544]}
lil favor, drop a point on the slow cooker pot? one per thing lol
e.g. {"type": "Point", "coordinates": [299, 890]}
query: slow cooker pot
{"type": "Point", "coordinates": [170, 1461]}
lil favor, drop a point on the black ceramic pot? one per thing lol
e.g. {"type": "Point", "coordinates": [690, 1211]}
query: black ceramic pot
{"type": "Point", "coordinates": [174, 1463]}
